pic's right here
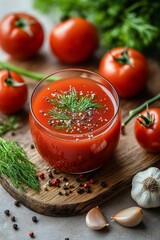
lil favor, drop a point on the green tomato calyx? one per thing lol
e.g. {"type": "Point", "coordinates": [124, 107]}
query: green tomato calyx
{"type": "Point", "coordinates": [146, 121]}
{"type": "Point", "coordinates": [12, 82]}
{"type": "Point", "coordinates": [23, 22]}
{"type": "Point", "coordinates": [123, 58]}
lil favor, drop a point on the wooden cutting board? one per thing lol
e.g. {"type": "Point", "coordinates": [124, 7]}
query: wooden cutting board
{"type": "Point", "coordinates": [129, 157]}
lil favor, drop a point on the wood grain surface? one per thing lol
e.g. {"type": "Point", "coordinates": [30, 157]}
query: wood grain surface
{"type": "Point", "coordinates": [128, 159]}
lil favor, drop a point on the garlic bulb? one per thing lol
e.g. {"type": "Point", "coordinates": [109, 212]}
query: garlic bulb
{"type": "Point", "coordinates": [129, 217]}
{"type": "Point", "coordinates": [95, 219]}
{"type": "Point", "coordinates": [146, 188]}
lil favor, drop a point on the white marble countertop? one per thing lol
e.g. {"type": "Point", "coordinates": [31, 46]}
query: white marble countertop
{"type": "Point", "coordinates": [74, 228]}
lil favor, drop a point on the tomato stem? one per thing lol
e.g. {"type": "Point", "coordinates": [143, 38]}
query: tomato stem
{"type": "Point", "coordinates": [13, 83]}
{"type": "Point", "coordinates": [123, 57]}
{"type": "Point", "coordinates": [23, 72]}
{"type": "Point", "coordinates": [146, 120]}
{"type": "Point", "coordinates": [23, 22]}
{"type": "Point", "coordinates": [137, 110]}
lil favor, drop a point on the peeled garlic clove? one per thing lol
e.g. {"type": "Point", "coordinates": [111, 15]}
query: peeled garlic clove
{"type": "Point", "coordinates": [129, 217]}
{"type": "Point", "coordinates": [95, 219]}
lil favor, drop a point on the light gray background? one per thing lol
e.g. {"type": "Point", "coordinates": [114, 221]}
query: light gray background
{"type": "Point", "coordinates": [74, 228]}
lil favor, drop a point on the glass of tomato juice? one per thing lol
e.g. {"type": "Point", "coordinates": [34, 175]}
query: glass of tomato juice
{"type": "Point", "coordinates": [75, 120]}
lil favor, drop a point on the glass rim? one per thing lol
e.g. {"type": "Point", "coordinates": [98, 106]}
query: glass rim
{"type": "Point", "coordinates": [53, 132]}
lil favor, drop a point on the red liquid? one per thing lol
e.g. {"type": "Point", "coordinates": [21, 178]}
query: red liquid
{"type": "Point", "coordinates": [91, 138]}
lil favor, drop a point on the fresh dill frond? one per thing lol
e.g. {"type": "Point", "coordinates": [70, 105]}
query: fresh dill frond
{"type": "Point", "coordinates": [7, 125]}
{"type": "Point", "coordinates": [55, 113]}
{"type": "Point", "coordinates": [15, 165]}
{"type": "Point", "coordinates": [74, 103]}
{"type": "Point", "coordinates": [69, 106]}
{"type": "Point", "coordinates": [67, 100]}
{"type": "Point", "coordinates": [85, 103]}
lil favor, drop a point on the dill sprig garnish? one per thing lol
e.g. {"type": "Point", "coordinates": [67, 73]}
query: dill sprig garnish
{"type": "Point", "coordinates": [68, 105]}
{"type": "Point", "coordinates": [9, 124]}
{"type": "Point", "coordinates": [15, 165]}
{"type": "Point", "coordinates": [70, 100]}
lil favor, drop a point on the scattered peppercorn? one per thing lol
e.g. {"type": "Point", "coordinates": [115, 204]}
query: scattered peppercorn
{"type": "Point", "coordinates": [92, 181]}
{"type": "Point", "coordinates": [88, 190]}
{"type": "Point", "coordinates": [86, 185]}
{"type": "Point", "coordinates": [78, 179]}
{"type": "Point", "coordinates": [65, 179]}
{"type": "Point", "coordinates": [60, 193]}
{"type": "Point", "coordinates": [50, 184]}
{"type": "Point", "coordinates": [66, 193]}
{"type": "Point", "coordinates": [32, 146]}
{"type": "Point", "coordinates": [31, 234]}
{"type": "Point", "coordinates": [50, 175]}
{"type": "Point", "coordinates": [103, 184]}
{"type": "Point", "coordinates": [7, 212]}
{"type": "Point", "coordinates": [17, 203]}
{"type": "Point", "coordinates": [80, 190]}
{"type": "Point", "coordinates": [13, 134]}
{"type": "Point", "coordinates": [81, 185]}
{"type": "Point", "coordinates": [34, 219]}
{"type": "Point", "coordinates": [15, 226]}
{"type": "Point", "coordinates": [13, 219]}
{"type": "Point", "coordinates": [41, 175]}
{"type": "Point", "coordinates": [56, 182]}
{"type": "Point", "coordinates": [55, 171]}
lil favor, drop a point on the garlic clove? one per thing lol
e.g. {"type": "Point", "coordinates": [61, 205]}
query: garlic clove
{"type": "Point", "coordinates": [129, 217]}
{"type": "Point", "coordinates": [95, 219]}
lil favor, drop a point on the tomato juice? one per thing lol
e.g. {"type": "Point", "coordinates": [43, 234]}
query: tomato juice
{"type": "Point", "coordinates": [75, 121]}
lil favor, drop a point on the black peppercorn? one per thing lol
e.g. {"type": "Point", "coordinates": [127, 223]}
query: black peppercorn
{"type": "Point", "coordinates": [17, 203]}
{"type": "Point", "coordinates": [88, 190]}
{"type": "Point", "coordinates": [34, 219]}
{"type": "Point", "coordinates": [65, 179]}
{"type": "Point", "coordinates": [13, 219]}
{"type": "Point", "coordinates": [15, 226]}
{"type": "Point", "coordinates": [7, 212]}
{"type": "Point", "coordinates": [78, 179]}
{"type": "Point", "coordinates": [32, 146]}
{"type": "Point", "coordinates": [50, 175]}
{"type": "Point", "coordinates": [80, 190]}
{"type": "Point", "coordinates": [103, 184]}
{"type": "Point", "coordinates": [50, 184]}
{"type": "Point", "coordinates": [60, 193]}
{"type": "Point", "coordinates": [81, 185]}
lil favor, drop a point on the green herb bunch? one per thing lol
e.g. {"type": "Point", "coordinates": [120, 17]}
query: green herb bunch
{"type": "Point", "coordinates": [10, 124]}
{"type": "Point", "coordinates": [15, 165]}
{"type": "Point", "coordinates": [129, 23]}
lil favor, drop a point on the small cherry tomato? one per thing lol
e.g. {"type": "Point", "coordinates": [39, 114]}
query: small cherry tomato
{"type": "Point", "coordinates": [21, 35]}
{"type": "Point", "coordinates": [147, 129]}
{"type": "Point", "coordinates": [13, 92]}
{"type": "Point", "coordinates": [74, 40]}
{"type": "Point", "coordinates": [126, 69]}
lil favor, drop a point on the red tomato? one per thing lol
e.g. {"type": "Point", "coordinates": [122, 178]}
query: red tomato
{"type": "Point", "coordinates": [149, 136]}
{"type": "Point", "coordinates": [21, 35]}
{"type": "Point", "coordinates": [12, 98]}
{"type": "Point", "coordinates": [126, 69]}
{"type": "Point", "coordinates": [73, 40]}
